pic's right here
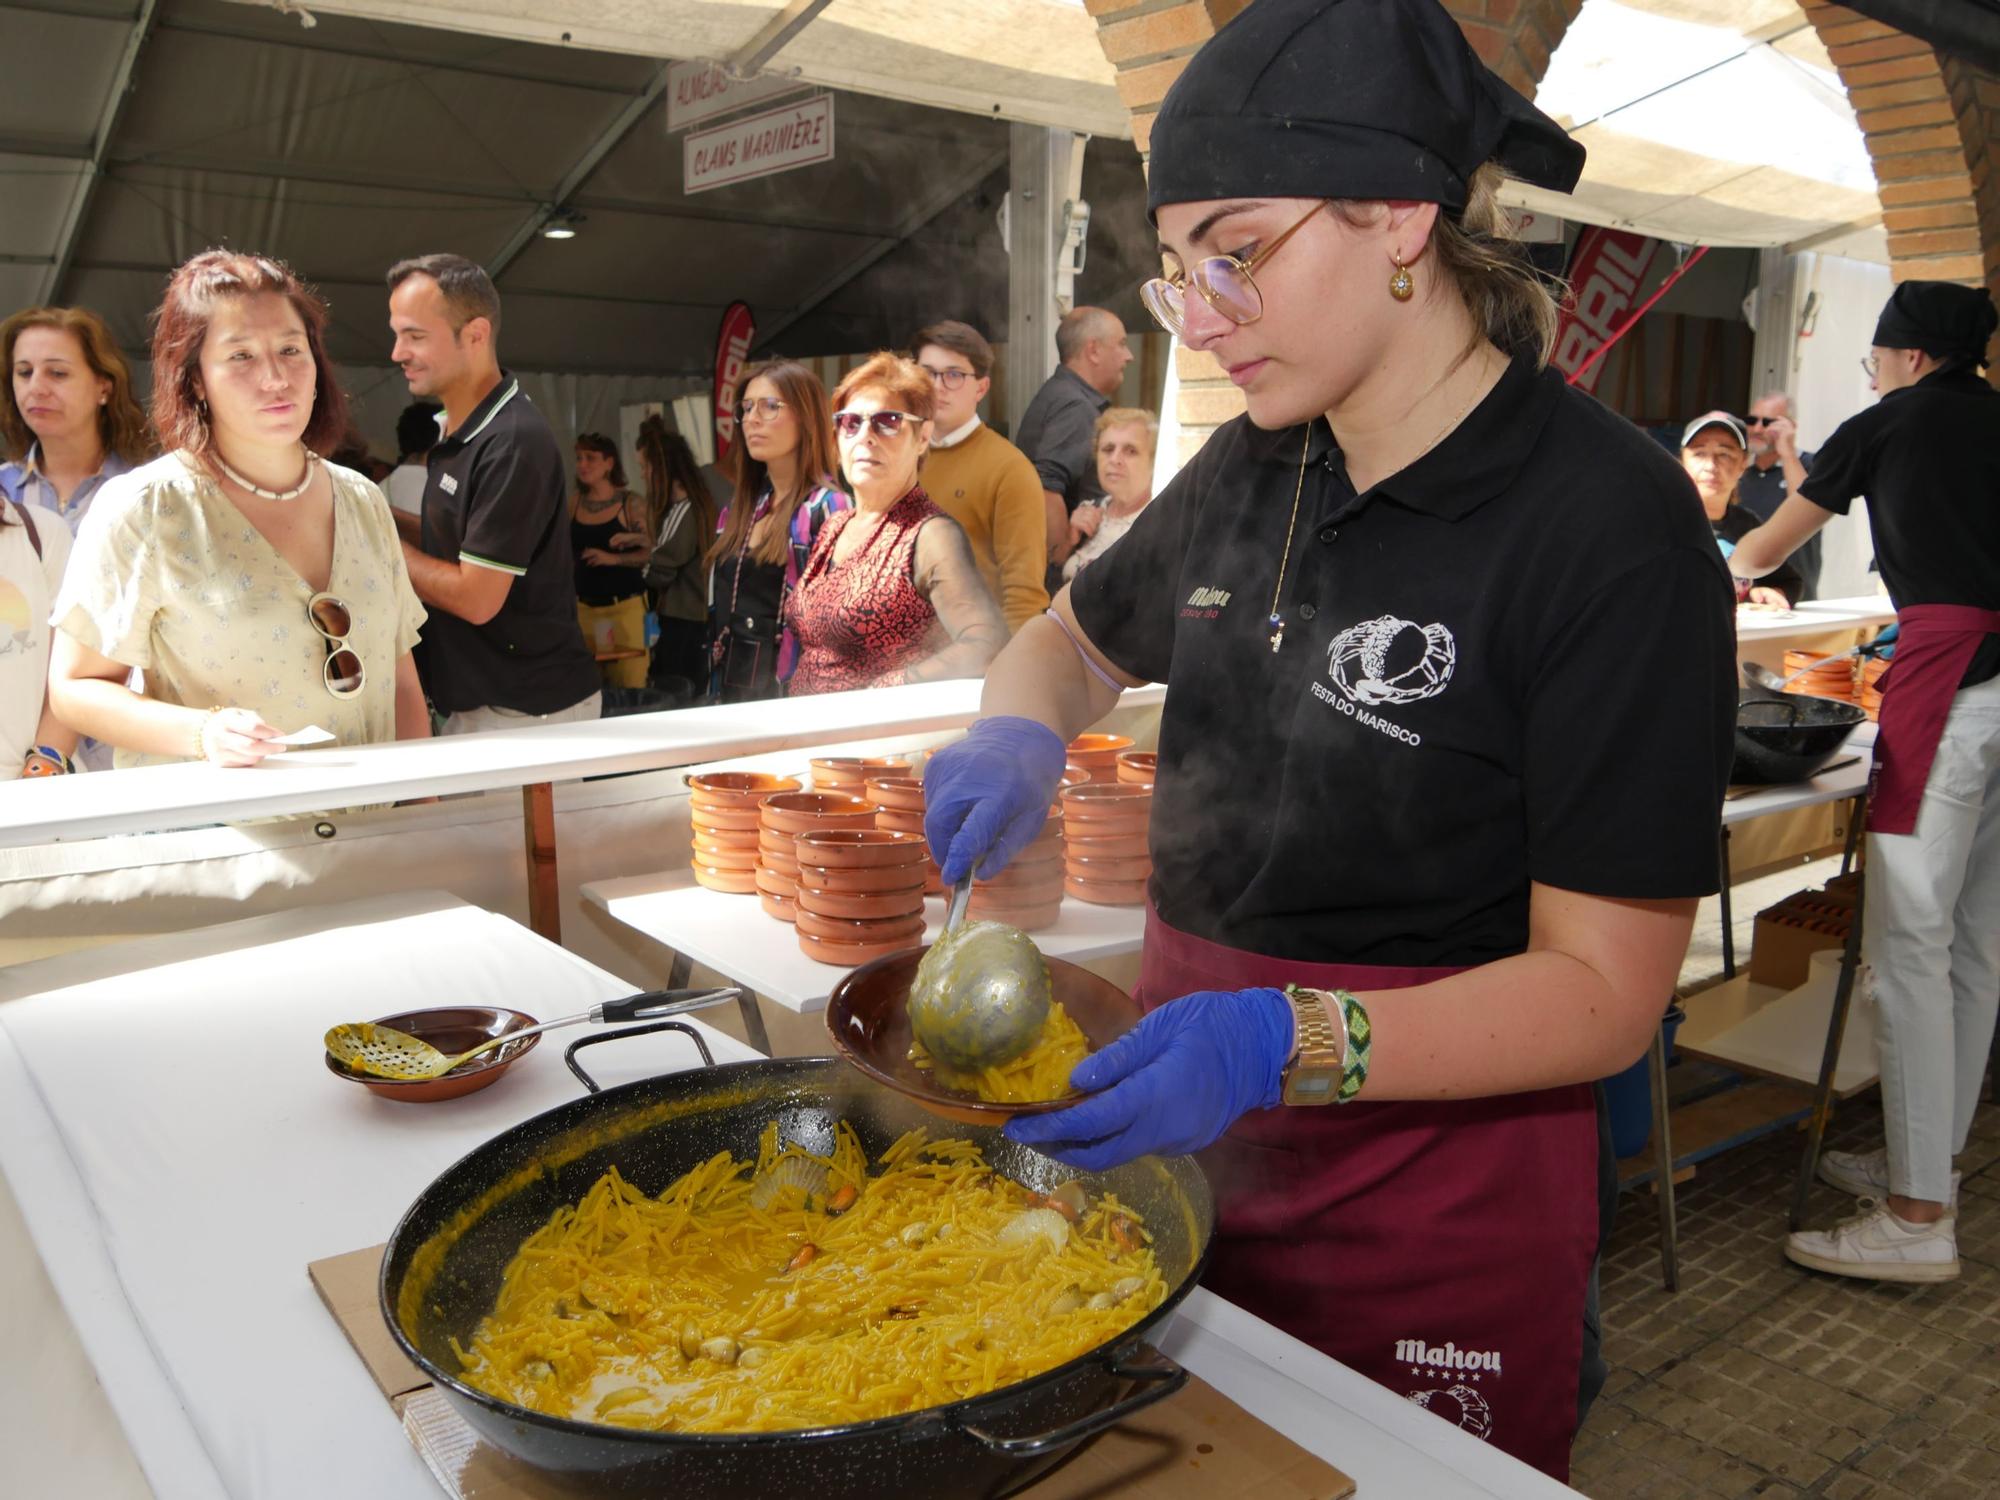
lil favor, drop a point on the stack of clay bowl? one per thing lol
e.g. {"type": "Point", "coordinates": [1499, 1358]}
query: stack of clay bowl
{"type": "Point", "coordinates": [1105, 857]}
{"type": "Point", "coordinates": [1136, 767]}
{"type": "Point", "coordinates": [1871, 689]}
{"type": "Point", "coordinates": [850, 773]}
{"type": "Point", "coordinates": [1028, 893]}
{"type": "Point", "coordinates": [1830, 677]}
{"type": "Point", "coordinates": [1098, 754]}
{"type": "Point", "coordinates": [860, 894]}
{"type": "Point", "coordinates": [898, 797]}
{"type": "Point", "coordinates": [725, 808]}
{"type": "Point", "coordinates": [784, 818]}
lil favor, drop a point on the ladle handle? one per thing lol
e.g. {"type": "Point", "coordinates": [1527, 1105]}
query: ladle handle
{"type": "Point", "coordinates": [655, 1004]}
{"type": "Point", "coordinates": [961, 897]}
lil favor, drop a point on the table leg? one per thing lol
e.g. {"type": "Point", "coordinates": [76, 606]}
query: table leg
{"type": "Point", "coordinates": [538, 812]}
{"type": "Point", "coordinates": [753, 1022]}
{"type": "Point", "coordinates": [1855, 812]}
{"type": "Point", "coordinates": [678, 972]}
{"type": "Point", "coordinates": [1836, 1030]}
{"type": "Point", "coordinates": [1663, 1164]}
{"type": "Point", "coordinates": [1728, 917]}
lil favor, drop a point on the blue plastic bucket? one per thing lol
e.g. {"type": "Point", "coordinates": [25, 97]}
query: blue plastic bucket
{"type": "Point", "coordinates": [1628, 1096]}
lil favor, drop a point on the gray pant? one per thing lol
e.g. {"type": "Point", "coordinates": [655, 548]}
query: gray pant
{"type": "Point", "coordinates": [1932, 929]}
{"type": "Point", "coordinates": [479, 720]}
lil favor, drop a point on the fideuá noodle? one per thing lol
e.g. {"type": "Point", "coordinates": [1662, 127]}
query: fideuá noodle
{"type": "Point", "coordinates": [1042, 1072]}
{"type": "Point", "coordinates": [804, 1291]}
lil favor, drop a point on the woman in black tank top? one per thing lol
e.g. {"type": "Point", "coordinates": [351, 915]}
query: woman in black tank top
{"type": "Point", "coordinates": [610, 542]}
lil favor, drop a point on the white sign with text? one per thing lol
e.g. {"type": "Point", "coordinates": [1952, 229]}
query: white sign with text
{"type": "Point", "coordinates": [698, 91]}
{"type": "Point", "coordinates": [776, 140]}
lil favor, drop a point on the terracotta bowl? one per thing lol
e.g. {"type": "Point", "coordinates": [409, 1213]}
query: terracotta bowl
{"type": "Point", "coordinates": [862, 906]}
{"type": "Point", "coordinates": [1104, 799]}
{"type": "Point", "coordinates": [736, 789]}
{"type": "Point", "coordinates": [450, 1028]}
{"type": "Point", "coordinates": [1133, 824]}
{"type": "Point", "coordinates": [870, 1027]}
{"type": "Point", "coordinates": [728, 819]}
{"type": "Point", "coordinates": [906, 928]}
{"type": "Point", "coordinates": [1117, 846]}
{"type": "Point", "coordinates": [849, 772]}
{"type": "Point", "coordinates": [729, 882]}
{"type": "Point", "coordinates": [856, 847]}
{"type": "Point", "coordinates": [777, 883]}
{"type": "Point", "coordinates": [897, 821]}
{"type": "Point", "coordinates": [1018, 898]}
{"type": "Point", "coordinates": [864, 880]}
{"type": "Point", "coordinates": [848, 955]}
{"type": "Point", "coordinates": [1040, 874]}
{"type": "Point", "coordinates": [1136, 868]}
{"type": "Point", "coordinates": [1106, 892]}
{"type": "Point", "coordinates": [903, 793]}
{"type": "Point", "coordinates": [1138, 767]}
{"type": "Point", "coordinates": [728, 841]}
{"type": "Point", "coordinates": [1098, 753]}
{"type": "Point", "coordinates": [802, 812]}
{"type": "Point", "coordinates": [778, 906]}
{"type": "Point", "coordinates": [1027, 918]}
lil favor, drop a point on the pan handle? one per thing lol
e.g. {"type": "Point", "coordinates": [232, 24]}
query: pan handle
{"type": "Point", "coordinates": [570, 1052]}
{"type": "Point", "coordinates": [1156, 1380]}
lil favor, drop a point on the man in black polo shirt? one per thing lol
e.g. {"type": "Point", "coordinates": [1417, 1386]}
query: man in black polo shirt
{"type": "Point", "coordinates": [493, 556]}
{"type": "Point", "coordinates": [1777, 469]}
{"type": "Point", "coordinates": [1059, 428]}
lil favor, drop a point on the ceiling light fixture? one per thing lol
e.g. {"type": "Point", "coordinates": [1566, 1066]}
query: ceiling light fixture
{"type": "Point", "coordinates": [561, 224]}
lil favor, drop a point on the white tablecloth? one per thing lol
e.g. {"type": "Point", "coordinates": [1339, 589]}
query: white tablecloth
{"type": "Point", "coordinates": [180, 1154]}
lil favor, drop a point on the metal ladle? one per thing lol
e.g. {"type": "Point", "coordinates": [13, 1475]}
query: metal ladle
{"type": "Point", "coordinates": [982, 991]}
{"type": "Point", "coordinates": [1758, 675]}
{"type": "Point", "coordinates": [385, 1052]}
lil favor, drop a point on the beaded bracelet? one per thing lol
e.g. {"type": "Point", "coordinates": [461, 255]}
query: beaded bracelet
{"type": "Point", "coordinates": [201, 731]}
{"type": "Point", "coordinates": [1360, 1038]}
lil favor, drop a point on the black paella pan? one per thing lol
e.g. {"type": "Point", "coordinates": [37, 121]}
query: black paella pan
{"type": "Point", "coordinates": [442, 1269]}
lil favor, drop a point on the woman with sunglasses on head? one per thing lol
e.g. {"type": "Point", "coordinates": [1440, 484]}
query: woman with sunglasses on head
{"type": "Point", "coordinates": [1451, 682]}
{"type": "Point", "coordinates": [259, 588]}
{"type": "Point", "coordinates": [891, 593]}
{"type": "Point", "coordinates": [783, 467]}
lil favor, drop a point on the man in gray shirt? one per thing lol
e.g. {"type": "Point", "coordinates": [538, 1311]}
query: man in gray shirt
{"type": "Point", "coordinates": [1059, 428]}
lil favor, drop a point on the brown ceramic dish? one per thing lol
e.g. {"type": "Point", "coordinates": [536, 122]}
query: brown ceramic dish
{"type": "Point", "coordinates": [862, 906]}
{"type": "Point", "coordinates": [1136, 868]}
{"type": "Point", "coordinates": [895, 820]}
{"type": "Point", "coordinates": [778, 907]}
{"type": "Point", "coordinates": [737, 789]}
{"type": "Point", "coordinates": [1027, 918]}
{"type": "Point", "coordinates": [1098, 753]}
{"type": "Point", "coordinates": [870, 1027]}
{"type": "Point", "coordinates": [849, 772]}
{"type": "Point", "coordinates": [1104, 799]}
{"type": "Point", "coordinates": [903, 793]}
{"type": "Point", "coordinates": [729, 882]}
{"type": "Point", "coordinates": [450, 1029]}
{"type": "Point", "coordinates": [851, 847]}
{"type": "Point", "coordinates": [734, 819]}
{"type": "Point", "coordinates": [1106, 892]}
{"type": "Point", "coordinates": [868, 880]}
{"type": "Point", "coordinates": [905, 928]}
{"type": "Point", "coordinates": [1137, 767]}
{"type": "Point", "coordinates": [802, 812]}
{"type": "Point", "coordinates": [847, 955]}
{"type": "Point", "coordinates": [1117, 846]}
{"type": "Point", "coordinates": [777, 883]}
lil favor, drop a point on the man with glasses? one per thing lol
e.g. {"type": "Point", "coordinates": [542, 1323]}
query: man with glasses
{"type": "Point", "coordinates": [491, 556]}
{"type": "Point", "coordinates": [1777, 469]}
{"type": "Point", "coordinates": [1059, 428]}
{"type": "Point", "coordinates": [977, 477]}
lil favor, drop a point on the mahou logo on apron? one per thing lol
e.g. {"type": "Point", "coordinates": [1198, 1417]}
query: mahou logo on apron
{"type": "Point", "coordinates": [1387, 661]}
{"type": "Point", "coordinates": [1457, 1402]}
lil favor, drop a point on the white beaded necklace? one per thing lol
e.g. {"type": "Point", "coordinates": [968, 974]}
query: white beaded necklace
{"type": "Point", "coordinates": [305, 479]}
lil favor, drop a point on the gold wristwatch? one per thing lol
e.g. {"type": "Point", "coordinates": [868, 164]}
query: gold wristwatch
{"type": "Point", "coordinates": [1313, 1074]}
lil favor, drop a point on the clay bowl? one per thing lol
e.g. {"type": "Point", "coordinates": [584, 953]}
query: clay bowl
{"type": "Point", "coordinates": [727, 790]}
{"type": "Point", "coordinates": [1032, 875]}
{"type": "Point", "coordinates": [778, 906]}
{"type": "Point", "coordinates": [907, 927]}
{"type": "Point", "coordinates": [1104, 799]}
{"type": "Point", "coordinates": [1117, 846]}
{"type": "Point", "coordinates": [1017, 898]}
{"type": "Point", "coordinates": [802, 812]}
{"type": "Point", "coordinates": [1027, 918]}
{"type": "Point", "coordinates": [898, 821]}
{"type": "Point", "coordinates": [729, 882]}
{"type": "Point", "coordinates": [902, 793]}
{"type": "Point", "coordinates": [862, 880]}
{"type": "Point", "coordinates": [777, 883]}
{"type": "Point", "coordinates": [870, 1027]}
{"type": "Point", "coordinates": [862, 906]}
{"type": "Point", "coordinates": [845, 848]}
{"type": "Point", "coordinates": [728, 819]}
{"type": "Point", "coordinates": [451, 1028]}
{"type": "Point", "coordinates": [848, 955]}
{"type": "Point", "coordinates": [730, 845]}
{"type": "Point", "coordinates": [1138, 767]}
{"type": "Point", "coordinates": [1098, 754]}
{"type": "Point", "coordinates": [1106, 892]}
{"type": "Point", "coordinates": [842, 773]}
{"type": "Point", "coordinates": [1136, 868]}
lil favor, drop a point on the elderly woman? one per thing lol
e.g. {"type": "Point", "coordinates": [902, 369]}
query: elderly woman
{"type": "Point", "coordinates": [891, 593]}
{"type": "Point", "coordinates": [1715, 451]}
{"type": "Point", "coordinates": [1126, 440]}
{"type": "Point", "coordinates": [260, 588]}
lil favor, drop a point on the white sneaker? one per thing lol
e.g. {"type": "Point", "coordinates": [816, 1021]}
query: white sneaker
{"type": "Point", "coordinates": [1865, 1174]}
{"type": "Point", "coordinates": [1877, 1246]}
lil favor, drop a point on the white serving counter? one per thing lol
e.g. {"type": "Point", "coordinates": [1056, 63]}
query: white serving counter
{"type": "Point", "coordinates": [179, 1154]}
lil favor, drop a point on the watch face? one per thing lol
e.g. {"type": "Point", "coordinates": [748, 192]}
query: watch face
{"type": "Point", "coordinates": [1313, 1088]}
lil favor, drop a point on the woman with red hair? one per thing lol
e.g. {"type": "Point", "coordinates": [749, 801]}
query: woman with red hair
{"type": "Point", "coordinates": [259, 588]}
{"type": "Point", "coordinates": [891, 593]}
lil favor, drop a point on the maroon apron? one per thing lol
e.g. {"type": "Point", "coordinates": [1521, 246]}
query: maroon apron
{"type": "Point", "coordinates": [1441, 1248]}
{"type": "Point", "coordinates": [1934, 645]}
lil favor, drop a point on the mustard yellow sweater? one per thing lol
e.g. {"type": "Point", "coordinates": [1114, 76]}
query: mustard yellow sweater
{"type": "Point", "coordinates": [988, 486]}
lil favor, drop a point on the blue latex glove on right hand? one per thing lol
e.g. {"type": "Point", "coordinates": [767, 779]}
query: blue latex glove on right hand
{"type": "Point", "coordinates": [986, 797]}
{"type": "Point", "coordinates": [1173, 1083]}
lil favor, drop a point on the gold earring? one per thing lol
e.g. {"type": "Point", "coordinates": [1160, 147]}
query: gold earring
{"type": "Point", "coordinates": [1401, 287]}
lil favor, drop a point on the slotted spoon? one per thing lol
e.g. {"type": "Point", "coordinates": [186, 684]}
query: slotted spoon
{"type": "Point", "coordinates": [384, 1052]}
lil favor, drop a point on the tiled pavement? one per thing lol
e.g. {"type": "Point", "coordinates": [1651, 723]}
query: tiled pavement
{"type": "Point", "coordinates": [1760, 1378]}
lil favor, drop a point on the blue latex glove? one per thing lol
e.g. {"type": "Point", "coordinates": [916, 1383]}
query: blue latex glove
{"type": "Point", "coordinates": [988, 795]}
{"type": "Point", "coordinates": [1171, 1084]}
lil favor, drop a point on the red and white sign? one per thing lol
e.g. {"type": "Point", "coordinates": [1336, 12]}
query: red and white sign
{"type": "Point", "coordinates": [732, 350]}
{"type": "Point", "coordinates": [777, 140]}
{"type": "Point", "coordinates": [699, 91]}
{"type": "Point", "coordinates": [1605, 275]}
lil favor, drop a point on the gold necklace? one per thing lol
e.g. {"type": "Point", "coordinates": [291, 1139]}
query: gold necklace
{"type": "Point", "coordinates": [1277, 620]}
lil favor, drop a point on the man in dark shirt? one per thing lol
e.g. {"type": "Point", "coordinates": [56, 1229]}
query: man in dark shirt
{"type": "Point", "coordinates": [491, 556]}
{"type": "Point", "coordinates": [1059, 428]}
{"type": "Point", "coordinates": [1925, 461]}
{"type": "Point", "coordinates": [1777, 469]}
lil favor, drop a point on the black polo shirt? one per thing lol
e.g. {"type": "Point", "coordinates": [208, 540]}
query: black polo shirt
{"type": "Point", "coordinates": [1761, 492]}
{"type": "Point", "coordinates": [1925, 459]}
{"type": "Point", "coordinates": [1512, 661]}
{"type": "Point", "coordinates": [494, 498]}
{"type": "Point", "coordinates": [1059, 435]}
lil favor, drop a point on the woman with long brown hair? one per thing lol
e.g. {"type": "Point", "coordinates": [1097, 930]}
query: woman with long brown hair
{"type": "Point", "coordinates": [68, 419]}
{"type": "Point", "coordinates": [680, 524]}
{"type": "Point", "coordinates": [783, 464]}
{"type": "Point", "coordinates": [607, 538]}
{"type": "Point", "coordinates": [259, 587]}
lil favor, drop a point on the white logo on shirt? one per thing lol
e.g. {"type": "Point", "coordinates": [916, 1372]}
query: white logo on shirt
{"type": "Point", "coordinates": [1208, 598]}
{"type": "Point", "coordinates": [448, 484]}
{"type": "Point", "coordinates": [1461, 1403]}
{"type": "Point", "coordinates": [1389, 660]}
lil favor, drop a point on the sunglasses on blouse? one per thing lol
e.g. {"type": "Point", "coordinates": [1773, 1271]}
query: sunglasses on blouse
{"type": "Point", "coordinates": [341, 672]}
{"type": "Point", "coordinates": [884, 424]}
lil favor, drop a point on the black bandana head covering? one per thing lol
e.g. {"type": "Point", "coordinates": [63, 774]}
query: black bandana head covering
{"type": "Point", "coordinates": [1346, 99]}
{"type": "Point", "coordinates": [1942, 318]}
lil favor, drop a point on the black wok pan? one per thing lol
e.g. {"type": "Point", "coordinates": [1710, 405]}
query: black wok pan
{"type": "Point", "coordinates": [1788, 738]}
{"type": "Point", "coordinates": [442, 1268]}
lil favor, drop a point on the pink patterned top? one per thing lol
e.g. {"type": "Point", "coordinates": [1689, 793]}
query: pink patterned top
{"type": "Point", "coordinates": [862, 622]}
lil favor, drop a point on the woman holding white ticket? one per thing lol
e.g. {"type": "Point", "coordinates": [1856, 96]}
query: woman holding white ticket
{"type": "Point", "coordinates": [259, 589]}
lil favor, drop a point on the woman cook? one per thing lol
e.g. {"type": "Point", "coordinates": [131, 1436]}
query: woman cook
{"type": "Point", "coordinates": [1450, 653]}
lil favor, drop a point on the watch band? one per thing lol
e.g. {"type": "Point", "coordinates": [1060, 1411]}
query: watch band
{"type": "Point", "coordinates": [1314, 1074]}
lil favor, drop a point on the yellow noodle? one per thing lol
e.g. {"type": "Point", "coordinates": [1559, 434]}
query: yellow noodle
{"type": "Point", "coordinates": [1042, 1072]}
{"type": "Point", "coordinates": [918, 1294]}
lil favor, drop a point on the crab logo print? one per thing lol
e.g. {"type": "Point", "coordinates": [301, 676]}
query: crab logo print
{"type": "Point", "coordinates": [1390, 660]}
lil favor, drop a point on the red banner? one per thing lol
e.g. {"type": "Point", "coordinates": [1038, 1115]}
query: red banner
{"type": "Point", "coordinates": [1605, 275]}
{"type": "Point", "coordinates": [732, 350]}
